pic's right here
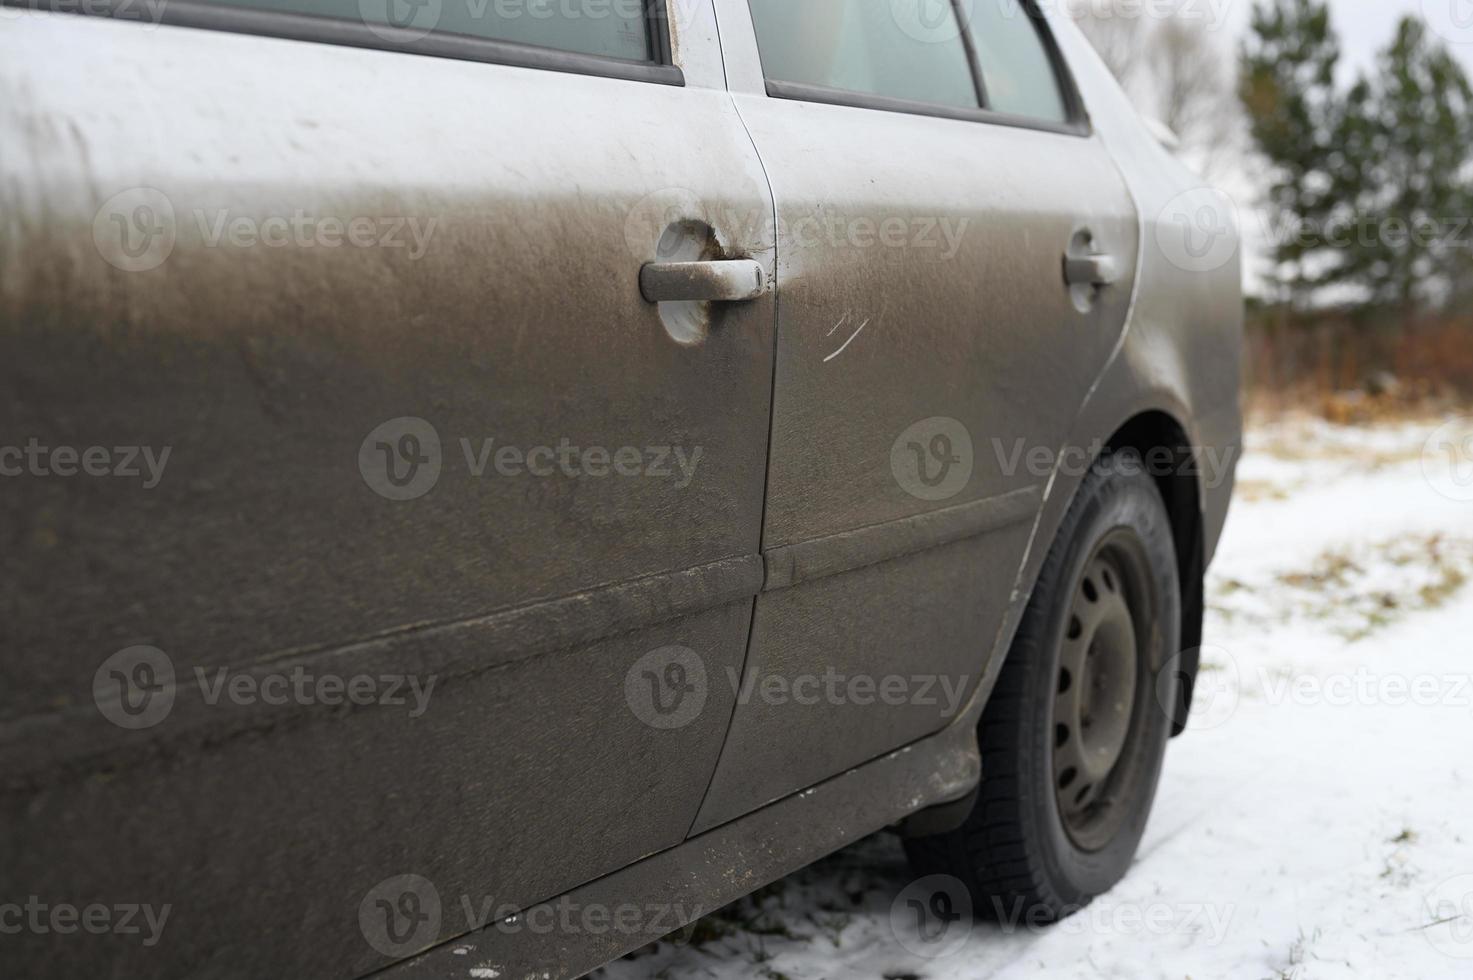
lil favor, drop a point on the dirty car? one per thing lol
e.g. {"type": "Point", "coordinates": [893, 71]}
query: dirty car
{"type": "Point", "coordinates": [467, 462]}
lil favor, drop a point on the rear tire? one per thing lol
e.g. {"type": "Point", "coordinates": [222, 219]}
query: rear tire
{"type": "Point", "coordinates": [1073, 736]}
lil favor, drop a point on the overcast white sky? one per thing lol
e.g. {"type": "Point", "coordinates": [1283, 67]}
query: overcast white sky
{"type": "Point", "coordinates": [1365, 26]}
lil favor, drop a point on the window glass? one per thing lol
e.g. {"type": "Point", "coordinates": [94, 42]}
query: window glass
{"type": "Point", "coordinates": [612, 28]}
{"type": "Point", "coordinates": [1016, 70]}
{"type": "Point", "coordinates": [905, 49]}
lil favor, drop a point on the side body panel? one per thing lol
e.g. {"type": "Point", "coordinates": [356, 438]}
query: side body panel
{"type": "Point", "coordinates": [167, 280]}
{"type": "Point", "coordinates": [279, 802]}
{"type": "Point", "coordinates": [1177, 358]}
{"type": "Point", "coordinates": [928, 349]}
{"type": "Point", "coordinates": [1180, 357]}
{"type": "Point", "coordinates": [1183, 353]}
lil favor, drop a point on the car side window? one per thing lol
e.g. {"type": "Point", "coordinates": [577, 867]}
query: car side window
{"type": "Point", "coordinates": [611, 29]}
{"type": "Point", "coordinates": [907, 49]}
{"type": "Point", "coordinates": [1018, 74]}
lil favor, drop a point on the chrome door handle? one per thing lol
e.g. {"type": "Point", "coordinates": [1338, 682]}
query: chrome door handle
{"type": "Point", "coordinates": [717, 282]}
{"type": "Point", "coordinates": [1090, 270]}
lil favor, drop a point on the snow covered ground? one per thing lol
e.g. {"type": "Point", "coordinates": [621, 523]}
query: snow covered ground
{"type": "Point", "coordinates": [1317, 819]}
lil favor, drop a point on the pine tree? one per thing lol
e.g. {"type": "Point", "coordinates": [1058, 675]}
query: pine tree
{"type": "Point", "coordinates": [1407, 137]}
{"type": "Point", "coordinates": [1287, 87]}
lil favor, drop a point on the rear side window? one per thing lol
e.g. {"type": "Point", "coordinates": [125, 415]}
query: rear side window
{"type": "Point", "coordinates": [901, 49]}
{"type": "Point", "coordinates": [1017, 72]}
{"type": "Point", "coordinates": [609, 28]}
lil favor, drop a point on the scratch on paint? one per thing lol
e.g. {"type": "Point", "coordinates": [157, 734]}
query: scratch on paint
{"type": "Point", "coordinates": [846, 343]}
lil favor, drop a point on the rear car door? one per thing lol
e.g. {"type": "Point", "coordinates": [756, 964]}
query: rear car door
{"type": "Point", "coordinates": [955, 259]}
{"type": "Point", "coordinates": [375, 291]}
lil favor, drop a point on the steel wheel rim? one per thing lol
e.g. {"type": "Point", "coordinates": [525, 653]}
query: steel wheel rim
{"type": "Point", "coordinates": [1098, 690]}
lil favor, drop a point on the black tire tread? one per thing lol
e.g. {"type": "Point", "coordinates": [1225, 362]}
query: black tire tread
{"type": "Point", "coordinates": [992, 853]}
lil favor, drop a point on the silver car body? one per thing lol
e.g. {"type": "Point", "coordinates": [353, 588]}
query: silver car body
{"type": "Point", "coordinates": [493, 295]}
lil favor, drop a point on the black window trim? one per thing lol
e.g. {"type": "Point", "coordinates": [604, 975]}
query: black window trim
{"type": "Point", "coordinates": [356, 34]}
{"type": "Point", "coordinates": [1076, 118]}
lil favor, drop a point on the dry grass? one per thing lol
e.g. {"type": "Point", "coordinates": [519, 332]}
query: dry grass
{"type": "Point", "coordinates": [1357, 373]}
{"type": "Point", "coordinates": [1359, 592]}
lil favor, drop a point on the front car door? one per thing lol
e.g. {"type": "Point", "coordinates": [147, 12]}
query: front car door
{"type": "Point", "coordinates": [383, 308]}
{"type": "Point", "coordinates": [943, 312]}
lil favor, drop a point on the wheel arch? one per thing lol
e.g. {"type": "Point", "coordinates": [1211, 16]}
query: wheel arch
{"type": "Point", "coordinates": [1158, 436]}
{"type": "Point", "coordinates": [1149, 429]}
